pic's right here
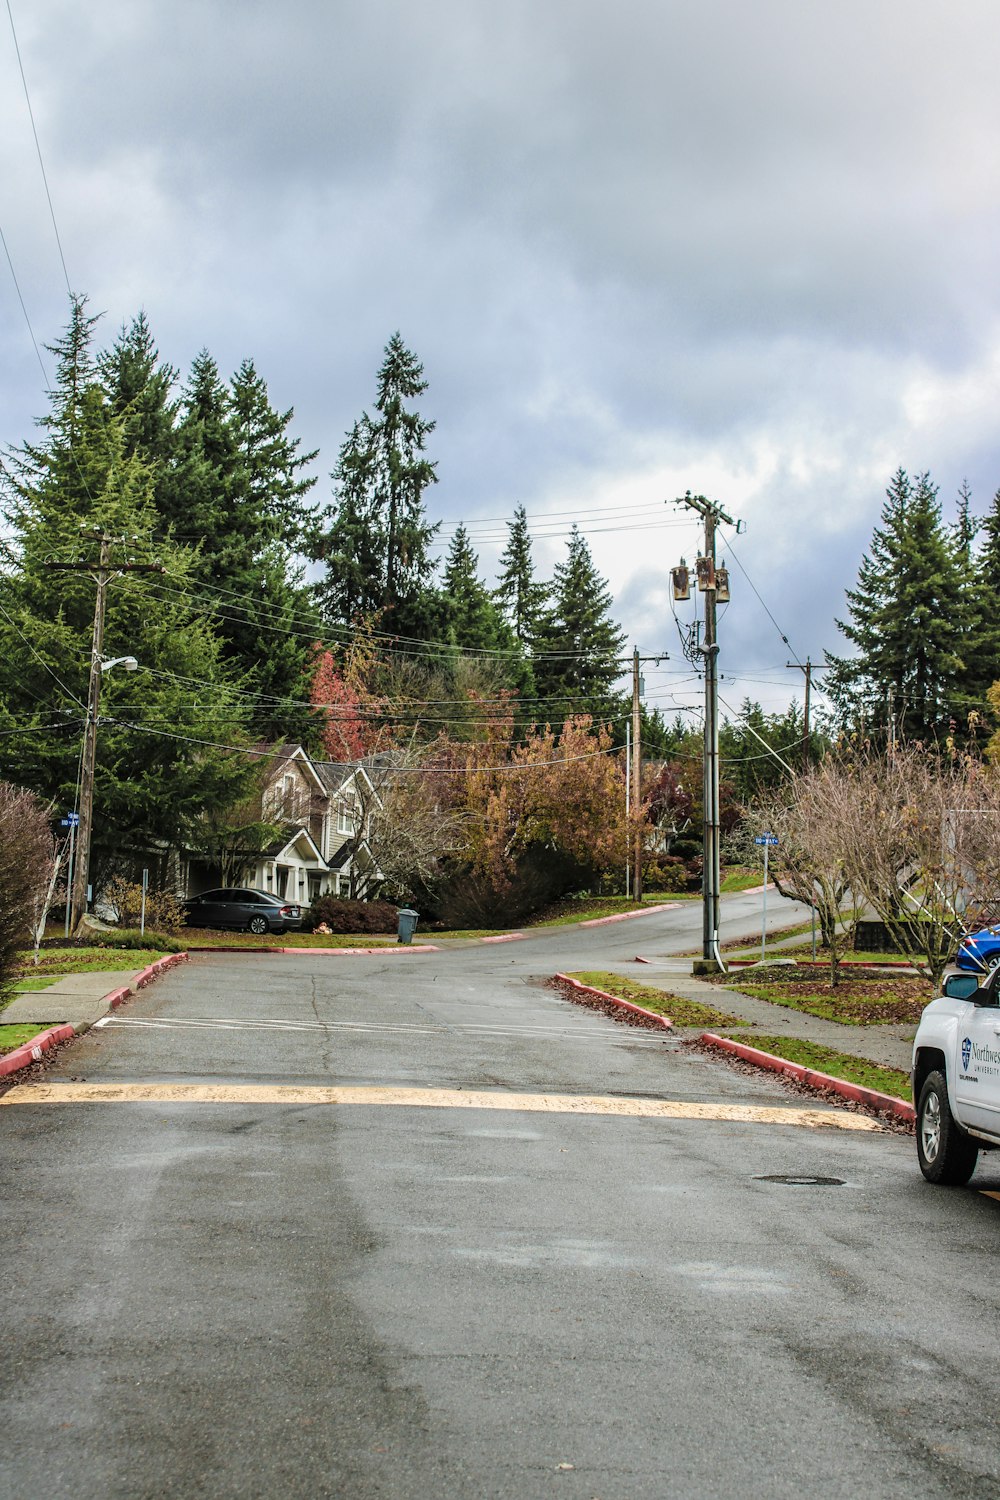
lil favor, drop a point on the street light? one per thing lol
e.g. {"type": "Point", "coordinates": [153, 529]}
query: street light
{"type": "Point", "coordinates": [78, 888]}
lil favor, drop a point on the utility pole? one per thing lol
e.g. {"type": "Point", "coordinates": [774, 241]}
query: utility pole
{"type": "Point", "coordinates": [636, 780]}
{"type": "Point", "coordinates": [808, 668]}
{"type": "Point", "coordinates": [102, 570]}
{"type": "Point", "coordinates": [711, 515]}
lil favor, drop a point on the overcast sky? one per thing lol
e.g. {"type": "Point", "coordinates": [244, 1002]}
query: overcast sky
{"type": "Point", "coordinates": [747, 249]}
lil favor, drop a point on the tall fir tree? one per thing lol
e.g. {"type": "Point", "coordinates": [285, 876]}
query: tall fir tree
{"type": "Point", "coordinates": [473, 622]}
{"type": "Point", "coordinates": [578, 655]}
{"type": "Point", "coordinates": [374, 538]}
{"type": "Point", "coordinates": [239, 493]}
{"type": "Point", "coordinates": [909, 620]}
{"type": "Point", "coordinates": [520, 595]}
{"type": "Point", "coordinates": [138, 388]}
{"type": "Point", "coordinates": [159, 767]}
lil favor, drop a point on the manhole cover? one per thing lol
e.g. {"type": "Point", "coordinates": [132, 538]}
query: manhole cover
{"type": "Point", "coordinates": [792, 1181]}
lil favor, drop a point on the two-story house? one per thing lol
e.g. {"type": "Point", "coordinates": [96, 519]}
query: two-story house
{"type": "Point", "coordinates": [324, 812]}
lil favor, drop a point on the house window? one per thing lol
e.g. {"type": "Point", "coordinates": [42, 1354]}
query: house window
{"type": "Point", "coordinates": [345, 817]}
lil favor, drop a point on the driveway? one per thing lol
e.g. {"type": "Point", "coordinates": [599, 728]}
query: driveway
{"type": "Point", "coordinates": [413, 1225]}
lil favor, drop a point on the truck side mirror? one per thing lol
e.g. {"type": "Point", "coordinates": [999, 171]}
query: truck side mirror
{"type": "Point", "coordinates": [966, 987]}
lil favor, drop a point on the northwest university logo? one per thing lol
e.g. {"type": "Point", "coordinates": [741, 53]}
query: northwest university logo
{"type": "Point", "coordinates": [966, 1051]}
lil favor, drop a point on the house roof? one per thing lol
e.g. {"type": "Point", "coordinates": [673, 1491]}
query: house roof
{"type": "Point", "coordinates": [287, 840]}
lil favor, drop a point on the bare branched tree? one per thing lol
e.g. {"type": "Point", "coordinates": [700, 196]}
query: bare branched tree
{"type": "Point", "coordinates": [416, 826]}
{"type": "Point", "coordinates": [26, 855]}
{"type": "Point", "coordinates": [808, 863]}
{"type": "Point", "coordinates": [921, 843]}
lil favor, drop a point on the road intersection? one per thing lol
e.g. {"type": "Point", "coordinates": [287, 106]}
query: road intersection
{"type": "Point", "coordinates": [305, 1226]}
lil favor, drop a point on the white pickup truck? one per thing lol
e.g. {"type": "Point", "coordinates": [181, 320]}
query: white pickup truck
{"type": "Point", "coordinates": [956, 1077]}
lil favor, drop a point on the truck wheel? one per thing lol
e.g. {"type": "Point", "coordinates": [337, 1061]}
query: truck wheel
{"type": "Point", "coordinates": [946, 1154]}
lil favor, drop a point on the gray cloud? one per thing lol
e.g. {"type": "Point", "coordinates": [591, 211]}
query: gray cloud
{"type": "Point", "coordinates": [640, 245]}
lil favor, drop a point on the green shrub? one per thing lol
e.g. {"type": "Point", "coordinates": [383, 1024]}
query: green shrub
{"type": "Point", "coordinates": [125, 938]}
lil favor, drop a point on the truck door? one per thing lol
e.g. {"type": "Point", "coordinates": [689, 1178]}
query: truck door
{"type": "Point", "coordinates": [976, 1068]}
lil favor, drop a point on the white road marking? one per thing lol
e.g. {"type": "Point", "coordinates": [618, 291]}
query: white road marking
{"type": "Point", "coordinates": [171, 1023]}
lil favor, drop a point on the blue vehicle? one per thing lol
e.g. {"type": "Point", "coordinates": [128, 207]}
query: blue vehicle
{"type": "Point", "coordinates": [980, 951]}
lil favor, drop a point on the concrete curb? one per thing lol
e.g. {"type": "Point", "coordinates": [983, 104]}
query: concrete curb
{"type": "Point", "coordinates": [366, 952]}
{"type": "Point", "coordinates": [819, 963]}
{"type": "Point", "coordinates": [156, 968]}
{"type": "Point", "coordinates": [587, 989]}
{"type": "Point", "coordinates": [505, 937]}
{"type": "Point", "coordinates": [328, 952]}
{"type": "Point", "coordinates": [625, 916]}
{"type": "Point", "coordinates": [811, 1078]}
{"type": "Point", "coordinates": [30, 1052]}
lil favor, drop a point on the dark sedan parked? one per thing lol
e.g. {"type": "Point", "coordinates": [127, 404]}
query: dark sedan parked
{"type": "Point", "coordinates": [257, 911]}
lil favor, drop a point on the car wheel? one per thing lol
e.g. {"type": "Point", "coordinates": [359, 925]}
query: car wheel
{"type": "Point", "coordinates": [946, 1154]}
{"type": "Point", "coordinates": [993, 962]}
{"type": "Point", "coordinates": [257, 925]}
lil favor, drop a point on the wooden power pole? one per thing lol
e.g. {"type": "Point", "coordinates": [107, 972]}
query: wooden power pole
{"type": "Point", "coordinates": [711, 879]}
{"type": "Point", "coordinates": [102, 570]}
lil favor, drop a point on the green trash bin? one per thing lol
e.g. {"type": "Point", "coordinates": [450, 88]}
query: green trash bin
{"type": "Point", "coordinates": [406, 924]}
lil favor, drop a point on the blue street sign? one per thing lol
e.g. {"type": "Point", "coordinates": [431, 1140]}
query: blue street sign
{"type": "Point", "coordinates": [766, 838]}
{"type": "Point", "coordinates": [71, 820]}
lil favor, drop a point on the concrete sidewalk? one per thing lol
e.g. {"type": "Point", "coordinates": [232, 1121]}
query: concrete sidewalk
{"type": "Point", "coordinates": [77, 1000]}
{"type": "Point", "coordinates": [889, 1045]}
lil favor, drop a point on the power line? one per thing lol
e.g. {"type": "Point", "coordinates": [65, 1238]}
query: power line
{"type": "Point", "coordinates": [38, 148]}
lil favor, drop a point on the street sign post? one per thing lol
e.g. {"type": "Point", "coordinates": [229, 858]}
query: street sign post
{"type": "Point", "coordinates": [72, 822]}
{"type": "Point", "coordinates": [769, 841]}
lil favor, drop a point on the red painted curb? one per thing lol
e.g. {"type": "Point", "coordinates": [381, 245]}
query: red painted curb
{"type": "Point", "coordinates": [228, 948]}
{"type": "Point", "coordinates": [330, 952]}
{"type": "Point", "coordinates": [31, 1051]}
{"type": "Point", "coordinates": [821, 963]}
{"type": "Point", "coordinates": [625, 916]}
{"type": "Point", "coordinates": [640, 960]}
{"type": "Point", "coordinates": [158, 966]}
{"type": "Point", "coordinates": [505, 937]}
{"type": "Point", "coordinates": [811, 1078]}
{"type": "Point", "coordinates": [588, 989]}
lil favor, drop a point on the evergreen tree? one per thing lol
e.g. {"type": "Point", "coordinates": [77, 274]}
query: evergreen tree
{"type": "Point", "coordinates": [138, 389]}
{"type": "Point", "coordinates": [267, 492]}
{"type": "Point", "coordinates": [238, 493]}
{"type": "Point", "coordinates": [374, 538]}
{"type": "Point", "coordinates": [158, 767]}
{"type": "Point", "coordinates": [578, 646]}
{"type": "Point", "coordinates": [909, 621]}
{"type": "Point", "coordinates": [472, 616]}
{"type": "Point", "coordinates": [519, 595]}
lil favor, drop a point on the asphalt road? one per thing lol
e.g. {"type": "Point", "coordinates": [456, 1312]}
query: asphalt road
{"type": "Point", "coordinates": [214, 1287]}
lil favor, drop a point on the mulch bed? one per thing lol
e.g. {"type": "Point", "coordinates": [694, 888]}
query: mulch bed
{"type": "Point", "coordinates": [606, 1007]}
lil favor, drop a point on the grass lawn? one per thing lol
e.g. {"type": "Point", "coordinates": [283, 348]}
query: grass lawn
{"type": "Point", "coordinates": [682, 1012]}
{"type": "Point", "coordinates": [16, 1036]}
{"type": "Point", "coordinates": [742, 880]}
{"type": "Point", "coordinates": [859, 999]}
{"type": "Point", "coordinates": [32, 982]}
{"type": "Point", "coordinates": [55, 962]}
{"type": "Point", "coordinates": [210, 937]}
{"type": "Point", "coordinates": [838, 1064]}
